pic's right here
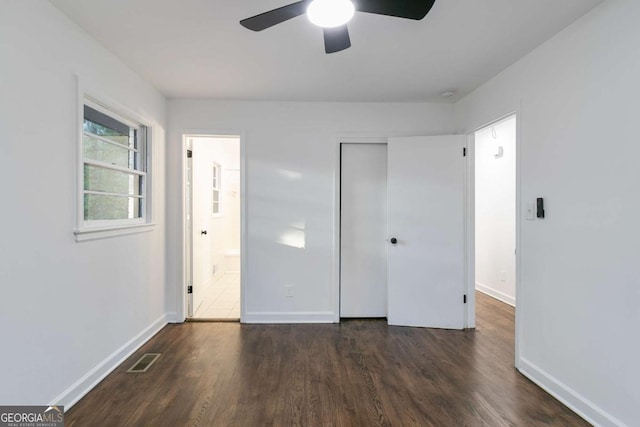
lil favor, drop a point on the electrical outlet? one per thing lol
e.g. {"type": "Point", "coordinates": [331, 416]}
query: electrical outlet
{"type": "Point", "coordinates": [503, 276]}
{"type": "Point", "coordinates": [288, 291]}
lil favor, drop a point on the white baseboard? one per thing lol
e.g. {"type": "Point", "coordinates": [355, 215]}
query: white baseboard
{"type": "Point", "coordinates": [84, 385]}
{"type": "Point", "coordinates": [569, 397]}
{"type": "Point", "coordinates": [172, 317]}
{"type": "Point", "coordinates": [501, 296]}
{"type": "Point", "coordinates": [292, 317]}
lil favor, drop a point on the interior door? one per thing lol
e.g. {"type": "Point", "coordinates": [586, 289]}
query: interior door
{"type": "Point", "coordinates": [202, 200]}
{"type": "Point", "coordinates": [189, 227]}
{"type": "Point", "coordinates": [426, 231]}
{"type": "Point", "coordinates": [363, 230]}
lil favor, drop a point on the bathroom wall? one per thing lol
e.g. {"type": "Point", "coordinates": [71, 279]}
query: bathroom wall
{"type": "Point", "coordinates": [225, 226]}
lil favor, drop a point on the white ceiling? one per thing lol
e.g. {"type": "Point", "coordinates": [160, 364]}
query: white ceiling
{"type": "Point", "coordinates": [197, 48]}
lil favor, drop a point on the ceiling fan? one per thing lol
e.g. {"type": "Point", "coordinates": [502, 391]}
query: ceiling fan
{"type": "Point", "coordinates": [333, 15]}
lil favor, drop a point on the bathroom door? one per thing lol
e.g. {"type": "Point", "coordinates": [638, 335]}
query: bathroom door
{"type": "Point", "coordinates": [202, 202]}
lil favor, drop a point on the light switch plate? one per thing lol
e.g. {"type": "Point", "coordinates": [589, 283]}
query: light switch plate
{"type": "Point", "coordinates": [531, 211]}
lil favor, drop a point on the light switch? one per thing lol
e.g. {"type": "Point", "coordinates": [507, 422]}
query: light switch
{"type": "Point", "coordinates": [531, 211]}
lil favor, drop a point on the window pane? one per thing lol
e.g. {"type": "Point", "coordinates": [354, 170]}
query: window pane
{"type": "Point", "coordinates": [216, 177]}
{"type": "Point", "coordinates": [216, 196]}
{"type": "Point", "coordinates": [111, 181]}
{"type": "Point", "coordinates": [108, 127]}
{"type": "Point", "coordinates": [216, 207]}
{"type": "Point", "coordinates": [112, 140]}
{"type": "Point", "coordinates": [97, 207]}
{"type": "Point", "coordinates": [101, 151]}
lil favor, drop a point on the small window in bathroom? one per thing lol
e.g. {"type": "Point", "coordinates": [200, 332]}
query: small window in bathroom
{"type": "Point", "coordinates": [216, 189]}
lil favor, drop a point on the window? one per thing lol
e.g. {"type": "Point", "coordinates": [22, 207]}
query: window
{"type": "Point", "coordinates": [114, 177]}
{"type": "Point", "coordinates": [216, 189]}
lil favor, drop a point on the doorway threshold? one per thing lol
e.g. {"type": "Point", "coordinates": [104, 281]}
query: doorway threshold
{"type": "Point", "coordinates": [212, 320]}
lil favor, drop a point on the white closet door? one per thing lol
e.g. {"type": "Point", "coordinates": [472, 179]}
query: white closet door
{"type": "Point", "coordinates": [363, 232]}
{"type": "Point", "coordinates": [426, 217]}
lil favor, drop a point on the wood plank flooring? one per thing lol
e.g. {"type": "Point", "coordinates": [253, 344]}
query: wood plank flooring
{"type": "Point", "coordinates": [358, 373]}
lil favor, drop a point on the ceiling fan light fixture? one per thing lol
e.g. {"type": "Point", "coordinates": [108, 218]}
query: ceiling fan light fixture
{"type": "Point", "coordinates": [330, 13]}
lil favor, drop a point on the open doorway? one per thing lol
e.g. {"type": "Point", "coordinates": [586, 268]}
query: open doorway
{"type": "Point", "coordinates": [213, 227]}
{"type": "Point", "coordinates": [495, 195]}
{"type": "Point", "coordinates": [495, 219]}
{"type": "Point", "coordinates": [363, 230]}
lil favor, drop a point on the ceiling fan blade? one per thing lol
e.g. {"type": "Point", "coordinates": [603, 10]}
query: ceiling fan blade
{"type": "Point", "coordinates": [275, 16]}
{"type": "Point", "coordinates": [336, 39]}
{"type": "Point", "coordinates": [410, 9]}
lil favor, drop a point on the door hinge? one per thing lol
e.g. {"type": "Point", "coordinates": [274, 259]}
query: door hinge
{"type": "Point", "coordinates": [189, 154]}
{"type": "Point", "coordinates": [464, 152]}
{"type": "Point", "coordinates": [189, 289]}
{"type": "Point", "coordinates": [464, 299]}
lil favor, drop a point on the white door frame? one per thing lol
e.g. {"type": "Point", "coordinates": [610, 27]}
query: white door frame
{"type": "Point", "coordinates": [470, 275]}
{"type": "Point", "coordinates": [337, 209]}
{"type": "Point", "coordinates": [469, 219]}
{"type": "Point", "coordinates": [181, 291]}
{"type": "Point", "coordinates": [470, 314]}
{"type": "Point", "coordinates": [370, 160]}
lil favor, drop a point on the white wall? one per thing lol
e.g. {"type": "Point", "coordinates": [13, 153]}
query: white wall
{"type": "Point", "coordinates": [291, 163]}
{"type": "Point", "coordinates": [65, 307]}
{"type": "Point", "coordinates": [580, 275]}
{"type": "Point", "coordinates": [495, 192]}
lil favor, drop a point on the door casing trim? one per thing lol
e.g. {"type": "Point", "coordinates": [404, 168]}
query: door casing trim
{"type": "Point", "coordinates": [181, 290]}
{"type": "Point", "coordinates": [342, 139]}
{"type": "Point", "coordinates": [470, 315]}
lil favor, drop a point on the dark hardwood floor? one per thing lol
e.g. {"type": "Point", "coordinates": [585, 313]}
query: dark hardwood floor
{"type": "Point", "coordinates": [358, 373]}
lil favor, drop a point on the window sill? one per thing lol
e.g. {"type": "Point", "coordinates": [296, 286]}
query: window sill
{"type": "Point", "coordinates": [105, 233]}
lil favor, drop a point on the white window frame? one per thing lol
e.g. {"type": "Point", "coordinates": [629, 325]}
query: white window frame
{"type": "Point", "coordinates": [98, 229]}
{"type": "Point", "coordinates": [217, 173]}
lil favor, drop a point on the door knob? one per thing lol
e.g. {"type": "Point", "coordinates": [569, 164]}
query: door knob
{"type": "Point", "coordinates": [203, 232]}
{"type": "Point", "coordinates": [393, 240]}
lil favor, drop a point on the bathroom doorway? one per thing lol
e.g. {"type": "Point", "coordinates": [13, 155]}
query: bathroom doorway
{"type": "Point", "coordinates": [213, 227]}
